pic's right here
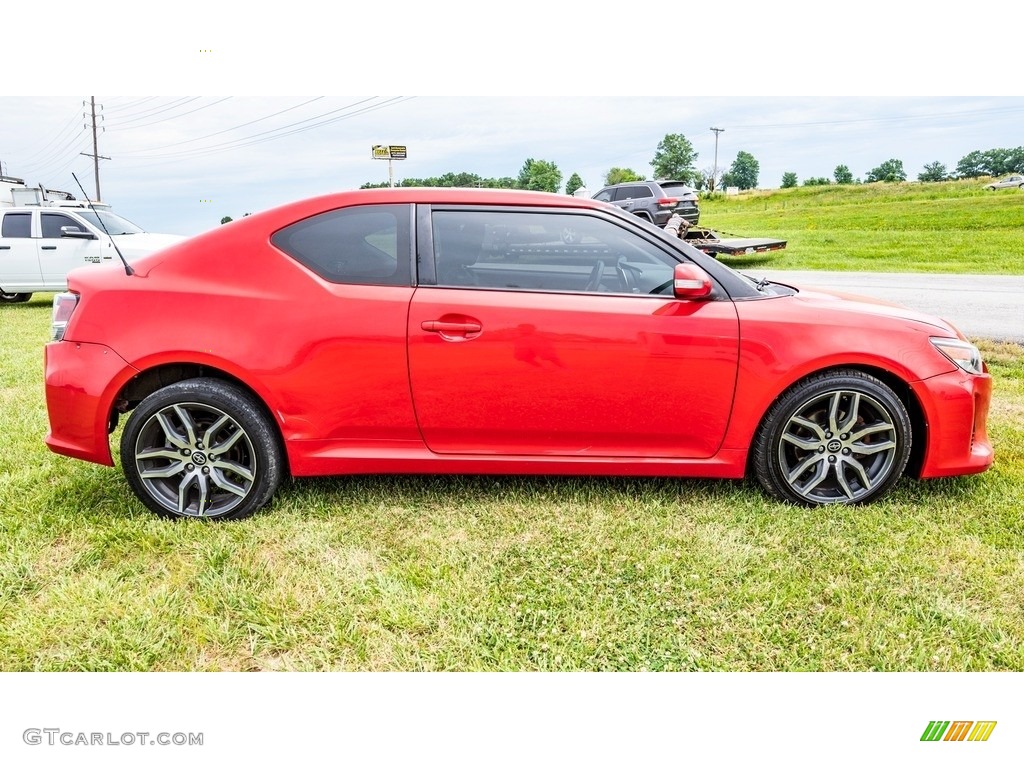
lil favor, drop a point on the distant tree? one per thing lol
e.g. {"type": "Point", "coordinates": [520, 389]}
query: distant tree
{"type": "Point", "coordinates": [710, 179]}
{"type": "Point", "coordinates": [788, 180]}
{"type": "Point", "coordinates": [1015, 160]}
{"type": "Point", "coordinates": [971, 166]}
{"type": "Point", "coordinates": [621, 176]}
{"type": "Point", "coordinates": [933, 172]}
{"type": "Point", "coordinates": [890, 170]}
{"type": "Point", "coordinates": [817, 181]}
{"type": "Point", "coordinates": [540, 176]}
{"type": "Point", "coordinates": [842, 175]}
{"type": "Point", "coordinates": [226, 219]}
{"type": "Point", "coordinates": [675, 159]}
{"type": "Point", "coordinates": [574, 183]}
{"type": "Point", "coordinates": [1002, 161]}
{"type": "Point", "coordinates": [997, 161]}
{"type": "Point", "coordinates": [450, 179]}
{"type": "Point", "coordinates": [743, 172]}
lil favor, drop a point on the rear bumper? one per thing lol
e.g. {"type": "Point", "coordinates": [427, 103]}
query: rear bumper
{"type": "Point", "coordinates": [689, 212]}
{"type": "Point", "coordinates": [956, 409]}
{"type": "Point", "coordinates": [81, 383]}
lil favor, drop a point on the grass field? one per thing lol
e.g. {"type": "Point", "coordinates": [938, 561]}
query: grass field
{"type": "Point", "coordinates": [463, 573]}
{"type": "Point", "coordinates": [942, 227]}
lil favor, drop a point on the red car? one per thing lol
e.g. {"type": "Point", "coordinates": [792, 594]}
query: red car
{"type": "Point", "coordinates": [492, 331]}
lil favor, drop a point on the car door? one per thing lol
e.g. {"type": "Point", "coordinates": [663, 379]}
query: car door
{"type": "Point", "coordinates": [551, 333]}
{"type": "Point", "coordinates": [60, 252]}
{"type": "Point", "coordinates": [630, 198]}
{"type": "Point", "coordinates": [19, 256]}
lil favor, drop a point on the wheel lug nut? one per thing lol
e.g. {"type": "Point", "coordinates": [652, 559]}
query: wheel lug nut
{"type": "Point", "coordinates": [846, 451]}
{"type": "Point", "coordinates": [828, 435]}
{"type": "Point", "coordinates": [184, 451]}
{"type": "Point", "coordinates": [831, 459]}
{"type": "Point", "coordinates": [843, 437]}
{"type": "Point", "coordinates": [821, 449]}
{"type": "Point", "coordinates": [189, 467]}
{"type": "Point", "coordinates": [206, 470]}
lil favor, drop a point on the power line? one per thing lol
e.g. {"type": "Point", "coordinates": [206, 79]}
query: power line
{"type": "Point", "coordinates": [132, 104]}
{"type": "Point", "coordinates": [159, 109]}
{"type": "Point", "coordinates": [282, 131]}
{"type": "Point", "coordinates": [172, 117]}
{"type": "Point", "coordinates": [227, 130]}
{"type": "Point", "coordinates": [74, 119]}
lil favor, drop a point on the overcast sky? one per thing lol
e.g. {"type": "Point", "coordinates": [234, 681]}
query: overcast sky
{"type": "Point", "coordinates": [550, 82]}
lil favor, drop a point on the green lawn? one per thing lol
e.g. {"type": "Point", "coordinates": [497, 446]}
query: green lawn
{"type": "Point", "coordinates": [942, 227]}
{"type": "Point", "coordinates": [464, 573]}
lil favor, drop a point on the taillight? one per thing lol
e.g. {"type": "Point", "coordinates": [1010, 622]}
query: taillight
{"type": "Point", "coordinates": [668, 202]}
{"type": "Point", "coordinates": [63, 305]}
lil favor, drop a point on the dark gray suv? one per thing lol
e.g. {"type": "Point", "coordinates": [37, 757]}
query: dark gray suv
{"type": "Point", "coordinates": [655, 201]}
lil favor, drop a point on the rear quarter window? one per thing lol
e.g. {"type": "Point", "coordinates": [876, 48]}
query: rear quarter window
{"type": "Point", "coordinates": [366, 245]}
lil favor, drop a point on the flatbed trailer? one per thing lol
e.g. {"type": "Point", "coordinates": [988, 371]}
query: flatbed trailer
{"type": "Point", "coordinates": [713, 244]}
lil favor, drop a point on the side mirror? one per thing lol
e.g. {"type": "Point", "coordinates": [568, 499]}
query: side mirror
{"type": "Point", "coordinates": [690, 282]}
{"type": "Point", "coordinates": [76, 232]}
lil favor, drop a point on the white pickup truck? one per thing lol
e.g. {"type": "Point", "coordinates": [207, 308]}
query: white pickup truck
{"type": "Point", "coordinates": [40, 244]}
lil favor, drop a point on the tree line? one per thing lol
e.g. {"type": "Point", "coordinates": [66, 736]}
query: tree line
{"type": "Point", "coordinates": [676, 159]}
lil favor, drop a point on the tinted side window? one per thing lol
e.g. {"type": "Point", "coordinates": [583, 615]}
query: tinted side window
{"type": "Point", "coordinates": [546, 251]}
{"type": "Point", "coordinates": [633, 192]}
{"type": "Point", "coordinates": [367, 245]}
{"type": "Point", "coordinates": [17, 225]}
{"type": "Point", "coordinates": [605, 195]}
{"type": "Point", "coordinates": [52, 222]}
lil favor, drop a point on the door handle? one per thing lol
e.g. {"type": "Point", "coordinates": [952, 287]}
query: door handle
{"type": "Point", "coordinates": [5, 247]}
{"type": "Point", "coordinates": [440, 326]}
{"type": "Point", "coordinates": [49, 247]}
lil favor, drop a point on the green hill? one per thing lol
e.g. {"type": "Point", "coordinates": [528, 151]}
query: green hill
{"type": "Point", "coordinates": [911, 227]}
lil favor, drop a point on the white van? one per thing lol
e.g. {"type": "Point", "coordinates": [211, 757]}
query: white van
{"type": "Point", "coordinates": [40, 245]}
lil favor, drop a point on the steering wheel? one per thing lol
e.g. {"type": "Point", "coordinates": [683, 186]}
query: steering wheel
{"type": "Point", "coordinates": [594, 282]}
{"type": "Point", "coordinates": [625, 272]}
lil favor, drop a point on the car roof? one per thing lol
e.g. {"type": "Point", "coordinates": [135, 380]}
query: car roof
{"type": "Point", "coordinates": [659, 182]}
{"type": "Point", "coordinates": [449, 195]}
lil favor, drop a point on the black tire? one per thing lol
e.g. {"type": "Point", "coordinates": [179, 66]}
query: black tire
{"type": "Point", "coordinates": [14, 298]}
{"type": "Point", "coordinates": [840, 437]}
{"type": "Point", "coordinates": [201, 448]}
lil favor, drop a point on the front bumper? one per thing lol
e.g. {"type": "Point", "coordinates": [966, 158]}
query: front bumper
{"type": "Point", "coordinates": [82, 381]}
{"type": "Point", "coordinates": [956, 408]}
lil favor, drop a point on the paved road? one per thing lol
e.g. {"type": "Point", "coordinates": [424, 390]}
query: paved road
{"type": "Point", "coordinates": [981, 306]}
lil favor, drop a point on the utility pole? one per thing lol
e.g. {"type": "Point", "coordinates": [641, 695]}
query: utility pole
{"type": "Point", "coordinates": [96, 156]}
{"type": "Point", "coordinates": [714, 173]}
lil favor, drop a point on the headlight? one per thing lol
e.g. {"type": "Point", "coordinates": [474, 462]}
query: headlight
{"type": "Point", "coordinates": [963, 354]}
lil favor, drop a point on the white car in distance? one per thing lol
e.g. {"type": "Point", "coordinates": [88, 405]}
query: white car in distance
{"type": "Point", "coordinates": [40, 245]}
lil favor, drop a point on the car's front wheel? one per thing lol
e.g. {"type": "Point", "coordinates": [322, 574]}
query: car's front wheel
{"type": "Point", "coordinates": [839, 437]}
{"type": "Point", "coordinates": [14, 298]}
{"type": "Point", "coordinates": [201, 448]}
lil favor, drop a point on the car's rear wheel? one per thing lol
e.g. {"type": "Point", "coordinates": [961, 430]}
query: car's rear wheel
{"type": "Point", "coordinates": [201, 448]}
{"type": "Point", "coordinates": [841, 437]}
{"type": "Point", "coordinates": [14, 298]}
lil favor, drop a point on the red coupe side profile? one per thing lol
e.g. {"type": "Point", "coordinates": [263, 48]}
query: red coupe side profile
{"type": "Point", "coordinates": [495, 332]}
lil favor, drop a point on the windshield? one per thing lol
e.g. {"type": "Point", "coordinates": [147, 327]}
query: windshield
{"type": "Point", "coordinates": [114, 224]}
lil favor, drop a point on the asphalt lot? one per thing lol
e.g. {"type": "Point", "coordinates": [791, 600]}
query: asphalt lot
{"type": "Point", "coordinates": [981, 306]}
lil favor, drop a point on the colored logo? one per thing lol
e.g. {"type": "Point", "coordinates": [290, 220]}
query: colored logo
{"type": "Point", "coordinates": [958, 730]}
